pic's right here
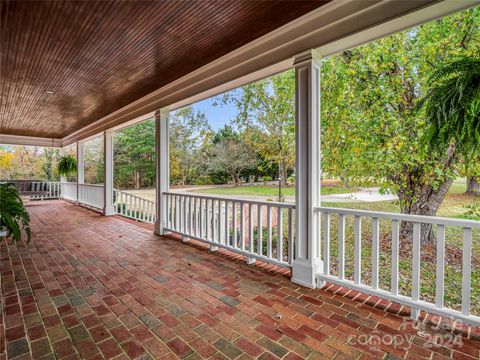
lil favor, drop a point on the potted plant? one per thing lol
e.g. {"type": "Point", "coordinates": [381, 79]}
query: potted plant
{"type": "Point", "coordinates": [67, 165]}
{"type": "Point", "coordinates": [14, 217]}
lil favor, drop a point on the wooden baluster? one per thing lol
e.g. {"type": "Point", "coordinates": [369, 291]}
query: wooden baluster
{"type": "Point", "coordinates": [341, 246]}
{"type": "Point", "coordinates": [395, 252]}
{"type": "Point", "coordinates": [279, 234]}
{"type": "Point", "coordinates": [466, 270]}
{"type": "Point", "coordinates": [358, 250]}
{"type": "Point", "coordinates": [250, 229]}
{"type": "Point", "coordinates": [440, 286]}
{"type": "Point", "coordinates": [326, 245]}
{"type": "Point", "coordinates": [375, 251]}
{"type": "Point", "coordinates": [269, 231]}
{"type": "Point", "coordinates": [242, 225]}
{"type": "Point", "coordinates": [234, 224]}
{"type": "Point", "coordinates": [259, 230]}
{"type": "Point", "coordinates": [416, 268]}
{"type": "Point", "coordinates": [290, 235]}
{"type": "Point", "coordinates": [227, 225]}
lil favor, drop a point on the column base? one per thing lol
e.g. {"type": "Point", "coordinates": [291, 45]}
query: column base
{"type": "Point", "coordinates": [305, 272]}
{"type": "Point", "coordinates": [158, 228]}
{"type": "Point", "coordinates": [109, 211]}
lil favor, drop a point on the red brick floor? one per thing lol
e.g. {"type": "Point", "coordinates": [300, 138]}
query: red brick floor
{"type": "Point", "coordinates": [94, 287]}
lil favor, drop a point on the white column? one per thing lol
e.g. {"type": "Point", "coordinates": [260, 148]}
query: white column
{"type": "Point", "coordinates": [307, 263]}
{"type": "Point", "coordinates": [80, 168]}
{"type": "Point", "coordinates": [162, 168]}
{"type": "Point", "coordinates": [108, 208]}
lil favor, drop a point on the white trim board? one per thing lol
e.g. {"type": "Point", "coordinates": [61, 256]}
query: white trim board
{"type": "Point", "coordinates": [29, 140]}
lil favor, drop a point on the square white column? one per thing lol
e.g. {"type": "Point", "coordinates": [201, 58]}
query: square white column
{"type": "Point", "coordinates": [162, 168]}
{"type": "Point", "coordinates": [80, 168]}
{"type": "Point", "coordinates": [307, 264]}
{"type": "Point", "coordinates": [108, 208]}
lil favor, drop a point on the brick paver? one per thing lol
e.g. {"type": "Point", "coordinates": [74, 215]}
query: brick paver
{"type": "Point", "coordinates": [94, 287]}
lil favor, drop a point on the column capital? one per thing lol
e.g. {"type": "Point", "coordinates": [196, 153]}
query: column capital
{"type": "Point", "coordinates": [163, 112]}
{"type": "Point", "coordinates": [310, 56]}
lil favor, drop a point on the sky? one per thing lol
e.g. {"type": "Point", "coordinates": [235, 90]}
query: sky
{"type": "Point", "coordinates": [218, 115]}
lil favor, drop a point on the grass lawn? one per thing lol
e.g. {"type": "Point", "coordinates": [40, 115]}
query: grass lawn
{"type": "Point", "coordinates": [266, 190]}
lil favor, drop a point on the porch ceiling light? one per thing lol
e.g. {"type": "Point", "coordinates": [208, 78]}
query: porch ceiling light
{"type": "Point", "coordinates": [50, 92]}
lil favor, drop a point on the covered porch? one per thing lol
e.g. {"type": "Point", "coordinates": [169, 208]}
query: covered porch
{"type": "Point", "coordinates": [111, 275]}
{"type": "Point", "coordinates": [98, 287]}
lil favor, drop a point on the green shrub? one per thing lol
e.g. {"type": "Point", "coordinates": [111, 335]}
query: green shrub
{"type": "Point", "coordinates": [14, 217]}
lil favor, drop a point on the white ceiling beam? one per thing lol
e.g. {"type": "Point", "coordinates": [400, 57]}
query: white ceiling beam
{"type": "Point", "coordinates": [29, 140]}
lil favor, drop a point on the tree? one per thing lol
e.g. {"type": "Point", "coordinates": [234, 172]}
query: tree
{"type": "Point", "coordinates": [189, 132]}
{"type": "Point", "coordinates": [232, 156]}
{"type": "Point", "coordinates": [372, 125]}
{"type": "Point", "coordinates": [6, 160]}
{"type": "Point", "coordinates": [267, 118]}
{"type": "Point", "coordinates": [134, 149]}
{"type": "Point", "coordinates": [28, 162]}
{"type": "Point", "coordinates": [93, 161]}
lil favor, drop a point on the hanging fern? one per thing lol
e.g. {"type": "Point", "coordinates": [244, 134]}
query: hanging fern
{"type": "Point", "coordinates": [14, 217]}
{"type": "Point", "coordinates": [452, 106]}
{"type": "Point", "coordinates": [67, 165]}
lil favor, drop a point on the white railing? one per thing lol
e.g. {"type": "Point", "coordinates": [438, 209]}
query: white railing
{"type": "Point", "coordinates": [91, 195]}
{"type": "Point", "coordinates": [69, 191]}
{"type": "Point", "coordinates": [256, 229]}
{"type": "Point", "coordinates": [134, 207]}
{"type": "Point", "coordinates": [337, 274]}
{"type": "Point", "coordinates": [53, 190]}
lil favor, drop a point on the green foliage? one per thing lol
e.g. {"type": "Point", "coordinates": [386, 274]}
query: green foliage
{"type": "Point", "coordinates": [134, 156]}
{"type": "Point", "coordinates": [190, 137]}
{"type": "Point", "coordinates": [14, 217]}
{"type": "Point", "coordinates": [93, 160]}
{"type": "Point", "coordinates": [372, 125]}
{"type": "Point", "coordinates": [67, 165]}
{"type": "Point", "coordinates": [266, 118]}
{"type": "Point", "coordinates": [452, 106]}
{"type": "Point", "coordinates": [19, 162]}
{"type": "Point", "coordinates": [229, 154]}
{"type": "Point", "coordinates": [473, 210]}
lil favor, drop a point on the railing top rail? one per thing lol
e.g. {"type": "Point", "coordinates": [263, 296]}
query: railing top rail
{"type": "Point", "coordinates": [239, 200]}
{"type": "Point", "coordinates": [94, 185]}
{"type": "Point", "coordinates": [133, 196]}
{"type": "Point", "coordinates": [436, 220]}
{"type": "Point", "coordinates": [25, 181]}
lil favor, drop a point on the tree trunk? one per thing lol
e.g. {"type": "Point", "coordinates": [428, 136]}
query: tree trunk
{"type": "Point", "coordinates": [417, 199]}
{"type": "Point", "coordinates": [283, 172]}
{"type": "Point", "coordinates": [473, 186]}
{"type": "Point", "coordinates": [236, 179]}
{"type": "Point", "coordinates": [427, 204]}
{"type": "Point", "coordinates": [137, 180]}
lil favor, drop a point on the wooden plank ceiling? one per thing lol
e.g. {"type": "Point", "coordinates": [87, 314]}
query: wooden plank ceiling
{"type": "Point", "coordinates": [98, 56]}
